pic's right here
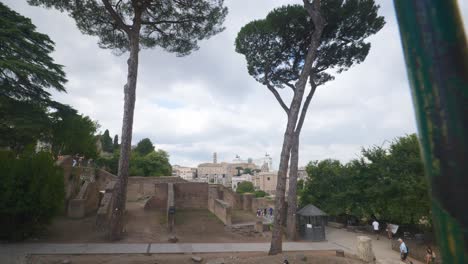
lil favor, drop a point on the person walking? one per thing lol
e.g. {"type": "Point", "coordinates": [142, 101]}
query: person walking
{"type": "Point", "coordinates": [375, 225]}
{"type": "Point", "coordinates": [404, 251]}
{"type": "Point", "coordinates": [389, 231]}
{"type": "Point", "coordinates": [430, 255]}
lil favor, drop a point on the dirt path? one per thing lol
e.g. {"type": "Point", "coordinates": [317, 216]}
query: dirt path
{"type": "Point", "coordinates": [144, 226]}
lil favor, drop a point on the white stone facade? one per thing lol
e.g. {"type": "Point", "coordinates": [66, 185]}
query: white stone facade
{"type": "Point", "coordinates": [185, 173]}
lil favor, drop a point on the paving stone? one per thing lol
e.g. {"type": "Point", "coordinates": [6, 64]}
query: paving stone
{"type": "Point", "coordinates": [197, 259]}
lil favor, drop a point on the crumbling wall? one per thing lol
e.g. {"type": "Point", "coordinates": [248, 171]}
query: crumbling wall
{"type": "Point", "coordinates": [191, 195]}
{"type": "Point", "coordinates": [86, 202]}
{"type": "Point", "coordinates": [222, 210]}
{"type": "Point", "coordinates": [159, 200]}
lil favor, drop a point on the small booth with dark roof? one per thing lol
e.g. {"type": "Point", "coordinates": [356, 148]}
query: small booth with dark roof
{"type": "Point", "coordinates": [312, 223]}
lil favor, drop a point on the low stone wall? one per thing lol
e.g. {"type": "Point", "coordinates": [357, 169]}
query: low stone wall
{"type": "Point", "coordinates": [261, 203]}
{"type": "Point", "coordinates": [104, 211]}
{"type": "Point", "coordinates": [103, 178]}
{"type": "Point", "coordinates": [86, 202]}
{"type": "Point", "coordinates": [222, 210]}
{"type": "Point", "coordinates": [170, 208]}
{"type": "Point", "coordinates": [247, 201]}
{"type": "Point", "coordinates": [335, 224]}
{"type": "Point", "coordinates": [142, 187]}
{"type": "Point", "coordinates": [71, 178]}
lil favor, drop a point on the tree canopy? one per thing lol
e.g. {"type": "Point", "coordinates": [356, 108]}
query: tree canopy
{"type": "Point", "coordinates": [386, 183]}
{"type": "Point", "coordinates": [74, 134]}
{"type": "Point", "coordinates": [26, 67]}
{"type": "Point", "coordinates": [144, 147]}
{"type": "Point", "coordinates": [175, 26]}
{"type": "Point", "coordinates": [155, 163]}
{"type": "Point", "coordinates": [275, 47]}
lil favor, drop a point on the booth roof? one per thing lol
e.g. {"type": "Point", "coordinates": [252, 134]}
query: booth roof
{"type": "Point", "coordinates": [310, 210]}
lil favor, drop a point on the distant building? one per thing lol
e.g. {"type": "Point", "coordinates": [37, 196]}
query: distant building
{"type": "Point", "coordinates": [217, 173]}
{"type": "Point", "coordinates": [302, 173]}
{"type": "Point", "coordinates": [266, 159]}
{"type": "Point", "coordinates": [265, 181]}
{"type": "Point", "coordinates": [223, 173]}
{"type": "Point", "coordinates": [185, 173]}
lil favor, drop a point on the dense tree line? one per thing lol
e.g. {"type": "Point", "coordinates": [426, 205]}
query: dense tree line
{"type": "Point", "coordinates": [144, 160]}
{"type": "Point", "coordinates": [387, 183]}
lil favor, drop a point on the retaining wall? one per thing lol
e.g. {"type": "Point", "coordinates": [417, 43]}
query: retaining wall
{"type": "Point", "coordinates": [222, 210]}
{"type": "Point", "coordinates": [86, 202]}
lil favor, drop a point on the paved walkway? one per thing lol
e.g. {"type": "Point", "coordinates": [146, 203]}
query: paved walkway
{"type": "Point", "coordinates": [347, 240]}
{"type": "Point", "coordinates": [15, 253]}
{"type": "Point", "coordinates": [337, 239]}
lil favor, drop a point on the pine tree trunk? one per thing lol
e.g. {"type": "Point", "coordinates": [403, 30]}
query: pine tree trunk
{"type": "Point", "coordinates": [277, 234]}
{"type": "Point", "coordinates": [120, 192]}
{"type": "Point", "coordinates": [319, 23]}
{"type": "Point", "coordinates": [292, 193]}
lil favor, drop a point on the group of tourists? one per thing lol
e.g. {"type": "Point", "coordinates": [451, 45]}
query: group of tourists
{"type": "Point", "coordinates": [79, 161]}
{"type": "Point", "coordinates": [265, 212]}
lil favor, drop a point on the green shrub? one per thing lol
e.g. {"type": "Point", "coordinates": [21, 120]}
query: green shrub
{"type": "Point", "coordinates": [31, 193]}
{"type": "Point", "coordinates": [245, 187]}
{"type": "Point", "coordinates": [260, 193]}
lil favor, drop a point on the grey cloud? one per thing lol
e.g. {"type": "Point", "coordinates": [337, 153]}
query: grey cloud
{"type": "Point", "coordinates": [206, 102]}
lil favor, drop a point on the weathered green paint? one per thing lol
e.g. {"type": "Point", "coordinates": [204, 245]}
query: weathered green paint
{"type": "Point", "coordinates": [436, 56]}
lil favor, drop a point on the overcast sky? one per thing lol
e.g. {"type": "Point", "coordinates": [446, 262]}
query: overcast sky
{"type": "Point", "coordinates": [207, 102]}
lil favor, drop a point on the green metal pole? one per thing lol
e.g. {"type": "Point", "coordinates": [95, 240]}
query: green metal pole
{"type": "Point", "coordinates": [436, 55]}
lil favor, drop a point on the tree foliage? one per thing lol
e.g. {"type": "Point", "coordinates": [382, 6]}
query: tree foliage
{"type": "Point", "coordinates": [144, 147]}
{"type": "Point", "coordinates": [27, 71]}
{"type": "Point", "coordinates": [155, 163]}
{"type": "Point", "coordinates": [74, 134]}
{"type": "Point", "coordinates": [245, 187]}
{"type": "Point", "coordinates": [260, 193]}
{"type": "Point", "coordinates": [31, 191]}
{"type": "Point", "coordinates": [175, 26]}
{"type": "Point", "coordinates": [388, 183]}
{"type": "Point", "coordinates": [106, 141]}
{"type": "Point", "coordinates": [116, 142]}
{"type": "Point", "coordinates": [26, 68]}
{"type": "Point", "coordinates": [275, 47]}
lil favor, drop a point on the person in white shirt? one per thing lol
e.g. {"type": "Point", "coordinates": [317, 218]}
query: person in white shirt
{"type": "Point", "coordinates": [375, 224]}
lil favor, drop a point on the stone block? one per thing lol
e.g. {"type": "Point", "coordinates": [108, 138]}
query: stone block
{"type": "Point", "coordinates": [364, 249]}
{"type": "Point", "coordinates": [340, 253]}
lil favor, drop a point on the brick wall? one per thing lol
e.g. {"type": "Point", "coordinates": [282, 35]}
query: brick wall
{"type": "Point", "coordinates": [191, 195]}
{"type": "Point", "coordinates": [159, 200]}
